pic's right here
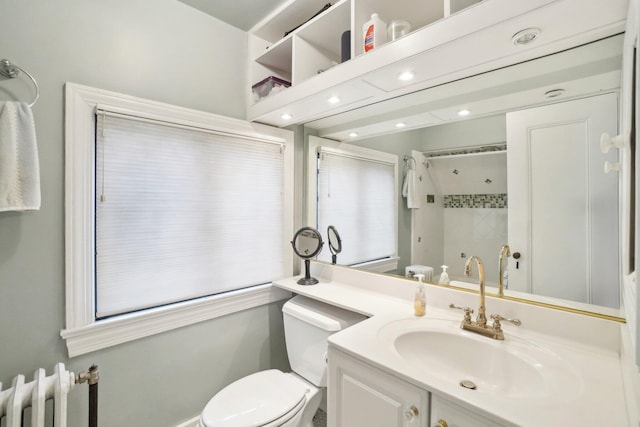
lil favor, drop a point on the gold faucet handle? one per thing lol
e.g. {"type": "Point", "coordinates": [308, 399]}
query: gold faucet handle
{"type": "Point", "coordinates": [497, 319]}
{"type": "Point", "coordinates": [467, 312]}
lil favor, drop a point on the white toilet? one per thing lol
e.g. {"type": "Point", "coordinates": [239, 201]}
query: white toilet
{"type": "Point", "coordinates": [272, 398]}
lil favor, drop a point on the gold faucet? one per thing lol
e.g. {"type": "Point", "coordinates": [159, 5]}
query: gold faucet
{"type": "Point", "coordinates": [504, 252]}
{"type": "Point", "coordinates": [481, 320]}
{"type": "Point", "coordinates": [479, 326]}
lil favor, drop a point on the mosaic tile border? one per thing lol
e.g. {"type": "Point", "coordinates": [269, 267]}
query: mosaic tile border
{"type": "Point", "coordinates": [475, 201]}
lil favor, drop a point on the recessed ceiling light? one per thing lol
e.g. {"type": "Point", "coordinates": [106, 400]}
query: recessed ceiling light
{"type": "Point", "coordinates": [406, 76]}
{"type": "Point", "coordinates": [526, 36]}
{"type": "Point", "coordinates": [464, 112]}
{"type": "Point", "coordinates": [554, 93]}
{"type": "Point", "coordinates": [334, 100]}
{"type": "Point", "coordinates": [286, 116]}
{"type": "Point", "coordinates": [400, 125]}
{"type": "Point", "coordinates": [353, 134]}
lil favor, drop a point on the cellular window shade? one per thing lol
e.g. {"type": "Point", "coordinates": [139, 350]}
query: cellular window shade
{"type": "Point", "coordinates": [183, 213]}
{"type": "Point", "coordinates": [357, 196]}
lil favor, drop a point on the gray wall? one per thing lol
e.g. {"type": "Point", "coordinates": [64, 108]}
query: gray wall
{"type": "Point", "coordinates": [157, 49]}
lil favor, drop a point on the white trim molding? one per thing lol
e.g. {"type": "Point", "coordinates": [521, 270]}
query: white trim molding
{"type": "Point", "coordinates": [82, 332]}
{"type": "Point", "coordinates": [380, 265]}
{"type": "Point", "coordinates": [129, 327]}
{"type": "Point", "coordinates": [193, 422]}
{"type": "Point", "coordinates": [317, 145]}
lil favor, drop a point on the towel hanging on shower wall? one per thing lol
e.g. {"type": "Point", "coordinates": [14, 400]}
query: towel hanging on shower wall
{"type": "Point", "coordinates": [409, 190]}
{"type": "Point", "coordinates": [19, 167]}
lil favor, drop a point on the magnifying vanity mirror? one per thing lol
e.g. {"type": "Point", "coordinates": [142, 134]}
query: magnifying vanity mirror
{"type": "Point", "coordinates": [335, 243]}
{"type": "Point", "coordinates": [307, 243]}
{"type": "Point", "coordinates": [473, 185]}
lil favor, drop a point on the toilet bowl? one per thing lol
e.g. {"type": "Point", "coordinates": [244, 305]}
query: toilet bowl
{"type": "Point", "coordinates": [273, 398]}
{"type": "Point", "coordinates": [264, 399]}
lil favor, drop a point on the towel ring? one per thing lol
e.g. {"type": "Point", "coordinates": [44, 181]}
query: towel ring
{"type": "Point", "coordinates": [10, 70]}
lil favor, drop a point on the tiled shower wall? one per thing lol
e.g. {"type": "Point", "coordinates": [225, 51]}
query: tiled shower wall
{"type": "Point", "coordinates": [478, 229]}
{"type": "Point", "coordinates": [455, 227]}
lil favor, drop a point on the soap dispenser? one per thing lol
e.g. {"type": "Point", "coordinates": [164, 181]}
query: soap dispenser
{"type": "Point", "coordinates": [420, 299]}
{"type": "Point", "coordinates": [444, 277]}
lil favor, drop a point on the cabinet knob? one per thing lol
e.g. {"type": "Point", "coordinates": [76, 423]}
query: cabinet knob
{"type": "Point", "coordinates": [441, 423]}
{"type": "Point", "coordinates": [411, 413]}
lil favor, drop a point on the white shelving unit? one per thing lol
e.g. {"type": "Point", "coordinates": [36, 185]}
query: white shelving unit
{"type": "Point", "coordinates": [315, 46]}
{"type": "Point", "coordinates": [450, 40]}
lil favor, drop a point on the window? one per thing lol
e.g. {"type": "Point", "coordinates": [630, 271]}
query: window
{"type": "Point", "coordinates": [356, 192]}
{"type": "Point", "coordinates": [188, 215]}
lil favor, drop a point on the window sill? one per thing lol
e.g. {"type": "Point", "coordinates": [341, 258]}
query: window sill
{"type": "Point", "coordinates": [121, 329]}
{"type": "Point", "coordinates": [379, 266]}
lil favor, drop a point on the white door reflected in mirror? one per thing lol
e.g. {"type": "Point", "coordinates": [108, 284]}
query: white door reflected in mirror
{"type": "Point", "coordinates": [563, 215]}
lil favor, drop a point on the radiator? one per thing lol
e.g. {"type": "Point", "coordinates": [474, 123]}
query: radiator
{"type": "Point", "coordinates": [411, 270]}
{"type": "Point", "coordinates": [34, 394]}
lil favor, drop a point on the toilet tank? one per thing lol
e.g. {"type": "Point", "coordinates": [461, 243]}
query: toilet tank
{"type": "Point", "coordinates": [307, 325]}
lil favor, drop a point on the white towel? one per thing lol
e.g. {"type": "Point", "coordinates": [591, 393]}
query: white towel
{"type": "Point", "coordinates": [19, 167]}
{"type": "Point", "coordinates": [409, 190]}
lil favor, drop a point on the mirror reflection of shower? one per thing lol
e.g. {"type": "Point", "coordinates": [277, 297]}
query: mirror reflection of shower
{"type": "Point", "coordinates": [463, 209]}
{"type": "Point", "coordinates": [335, 243]}
{"type": "Point", "coordinates": [307, 243]}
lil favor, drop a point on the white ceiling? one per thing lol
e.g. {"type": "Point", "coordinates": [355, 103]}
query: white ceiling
{"type": "Point", "coordinates": [243, 14]}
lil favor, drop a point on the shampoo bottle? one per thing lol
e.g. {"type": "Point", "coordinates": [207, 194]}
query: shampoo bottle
{"type": "Point", "coordinates": [374, 32]}
{"type": "Point", "coordinates": [420, 299]}
{"type": "Point", "coordinates": [444, 277]}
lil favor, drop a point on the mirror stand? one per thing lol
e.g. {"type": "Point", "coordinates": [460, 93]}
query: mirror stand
{"type": "Point", "coordinates": [335, 243]}
{"type": "Point", "coordinates": [307, 279]}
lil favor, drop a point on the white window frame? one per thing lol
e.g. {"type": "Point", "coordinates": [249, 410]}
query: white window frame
{"type": "Point", "coordinates": [82, 332]}
{"type": "Point", "coordinates": [314, 144]}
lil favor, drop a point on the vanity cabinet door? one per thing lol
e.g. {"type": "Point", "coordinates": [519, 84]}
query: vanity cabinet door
{"type": "Point", "coordinates": [447, 414]}
{"type": "Point", "coordinates": [361, 395]}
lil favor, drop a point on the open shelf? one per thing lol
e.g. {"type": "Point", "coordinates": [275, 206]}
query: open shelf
{"type": "Point", "coordinates": [318, 44]}
{"type": "Point", "coordinates": [278, 57]}
{"type": "Point", "coordinates": [417, 13]}
{"type": "Point", "coordinates": [313, 46]}
{"type": "Point", "coordinates": [292, 14]}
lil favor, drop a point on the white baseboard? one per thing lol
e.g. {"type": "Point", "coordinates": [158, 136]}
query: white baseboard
{"type": "Point", "coordinates": [193, 422]}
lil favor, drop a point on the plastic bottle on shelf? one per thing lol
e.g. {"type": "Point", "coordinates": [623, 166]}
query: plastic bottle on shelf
{"type": "Point", "coordinates": [420, 299]}
{"type": "Point", "coordinates": [375, 32]}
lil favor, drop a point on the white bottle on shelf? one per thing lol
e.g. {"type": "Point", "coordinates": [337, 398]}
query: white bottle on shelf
{"type": "Point", "coordinates": [374, 32]}
{"type": "Point", "coordinates": [444, 277]}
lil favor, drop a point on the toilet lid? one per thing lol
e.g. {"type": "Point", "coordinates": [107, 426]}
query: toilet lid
{"type": "Point", "coordinates": [254, 400]}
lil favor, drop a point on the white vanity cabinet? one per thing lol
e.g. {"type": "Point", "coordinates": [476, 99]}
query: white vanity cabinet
{"type": "Point", "coordinates": [362, 395]}
{"type": "Point", "coordinates": [445, 413]}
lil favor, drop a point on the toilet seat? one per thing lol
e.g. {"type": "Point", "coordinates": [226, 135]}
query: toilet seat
{"type": "Point", "coordinates": [264, 399]}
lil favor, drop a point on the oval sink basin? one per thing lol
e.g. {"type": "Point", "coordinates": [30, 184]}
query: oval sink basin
{"type": "Point", "coordinates": [512, 368]}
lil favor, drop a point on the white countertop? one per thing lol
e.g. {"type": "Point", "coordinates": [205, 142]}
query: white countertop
{"type": "Point", "coordinates": [589, 345]}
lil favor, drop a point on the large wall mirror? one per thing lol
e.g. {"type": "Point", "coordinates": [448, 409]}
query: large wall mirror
{"type": "Point", "coordinates": [509, 157]}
